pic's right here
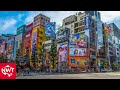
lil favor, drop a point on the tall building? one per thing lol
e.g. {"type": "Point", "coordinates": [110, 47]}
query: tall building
{"type": "Point", "coordinates": [38, 36]}
{"type": "Point", "coordinates": [10, 49]}
{"type": "Point", "coordinates": [47, 47]}
{"type": "Point", "coordinates": [28, 39]}
{"type": "Point", "coordinates": [62, 38]}
{"type": "Point", "coordinates": [85, 30]}
{"type": "Point", "coordinates": [100, 46]}
{"type": "Point", "coordinates": [19, 41]}
{"type": "Point", "coordinates": [2, 49]}
{"type": "Point", "coordinates": [113, 38]}
{"type": "Point", "coordinates": [95, 14]}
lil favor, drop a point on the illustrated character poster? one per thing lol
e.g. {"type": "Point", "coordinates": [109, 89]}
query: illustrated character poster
{"type": "Point", "coordinates": [10, 45]}
{"type": "Point", "coordinates": [34, 40]}
{"type": "Point", "coordinates": [78, 52]}
{"type": "Point", "coordinates": [62, 50]}
{"type": "Point", "coordinates": [50, 29]}
{"type": "Point", "coordinates": [78, 40]}
{"type": "Point", "coordinates": [2, 47]}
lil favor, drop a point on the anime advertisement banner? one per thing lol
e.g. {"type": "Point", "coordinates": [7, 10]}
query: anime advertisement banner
{"type": "Point", "coordinates": [62, 52]}
{"type": "Point", "coordinates": [2, 47]}
{"type": "Point", "coordinates": [63, 35]}
{"type": "Point", "coordinates": [10, 45]}
{"type": "Point", "coordinates": [78, 41]}
{"type": "Point", "coordinates": [107, 30]}
{"type": "Point", "coordinates": [78, 52]}
{"type": "Point", "coordinates": [50, 29]}
{"type": "Point", "coordinates": [79, 60]}
{"type": "Point", "coordinates": [34, 40]}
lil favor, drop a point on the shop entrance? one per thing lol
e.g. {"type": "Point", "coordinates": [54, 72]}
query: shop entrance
{"type": "Point", "coordinates": [93, 65]}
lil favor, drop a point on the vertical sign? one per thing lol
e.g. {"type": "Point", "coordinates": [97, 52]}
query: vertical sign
{"type": "Point", "coordinates": [34, 41]}
{"type": "Point", "coordinates": [86, 22]}
{"type": "Point", "coordinates": [50, 29]}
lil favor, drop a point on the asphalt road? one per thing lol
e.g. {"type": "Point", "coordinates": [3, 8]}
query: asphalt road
{"type": "Point", "coordinates": [108, 75]}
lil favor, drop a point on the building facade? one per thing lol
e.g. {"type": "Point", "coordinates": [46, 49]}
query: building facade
{"type": "Point", "coordinates": [38, 36]}
{"type": "Point", "coordinates": [85, 30]}
{"type": "Point", "coordinates": [19, 41]}
{"type": "Point", "coordinates": [115, 31]}
{"type": "Point", "coordinates": [28, 39]}
{"type": "Point", "coordinates": [10, 49]}
{"type": "Point", "coordinates": [62, 38]}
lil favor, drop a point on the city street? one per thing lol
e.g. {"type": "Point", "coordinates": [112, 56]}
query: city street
{"type": "Point", "coordinates": [107, 75]}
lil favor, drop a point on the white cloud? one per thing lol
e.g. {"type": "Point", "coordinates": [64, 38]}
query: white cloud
{"type": "Point", "coordinates": [6, 24]}
{"type": "Point", "coordinates": [56, 16]}
{"type": "Point", "coordinates": [20, 16]}
{"type": "Point", "coordinates": [110, 16]}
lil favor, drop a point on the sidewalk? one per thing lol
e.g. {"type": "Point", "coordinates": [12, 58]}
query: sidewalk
{"type": "Point", "coordinates": [58, 73]}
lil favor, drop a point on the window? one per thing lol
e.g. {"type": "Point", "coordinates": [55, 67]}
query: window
{"type": "Point", "coordinates": [82, 23]}
{"type": "Point", "coordinates": [43, 22]}
{"type": "Point", "coordinates": [92, 53]}
{"type": "Point", "coordinates": [41, 38]}
{"type": "Point", "coordinates": [78, 63]}
{"type": "Point", "coordinates": [76, 25]}
{"type": "Point", "coordinates": [40, 43]}
{"type": "Point", "coordinates": [117, 53]}
{"type": "Point", "coordinates": [37, 29]}
{"type": "Point", "coordinates": [117, 49]}
{"type": "Point", "coordinates": [41, 17]}
{"type": "Point", "coordinates": [81, 18]}
{"type": "Point", "coordinates": [76, 30]}
{"type": "Point", "coordinates": [73, 61]}
{"type": "Point", "coordinates": [110, 48]}
{"type": "Point", "coordinates": [111, 53]}
{"type": "Point", "coordinates": [85, 63]}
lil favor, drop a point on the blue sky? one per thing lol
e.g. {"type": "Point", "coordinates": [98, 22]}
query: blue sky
{"type": "Point", "coordinates": [11, 20]}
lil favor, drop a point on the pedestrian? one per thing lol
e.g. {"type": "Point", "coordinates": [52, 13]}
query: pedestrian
{"type": "Point", "coordinates": [100, 68]}
{"type": "Point", "coordinates": [28, 70]}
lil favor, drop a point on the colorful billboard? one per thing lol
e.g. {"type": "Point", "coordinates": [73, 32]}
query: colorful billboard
{"type": "Point", "coordinates": [10, 45]}
{"type": "Point", "coordinates": [78, 52]}
{"type": "Point", "coordinates": [107, 30]}
{"type": "Point", "coordinates": [2, 47]}
{"type": "Point", "coordinates": [63, 35]}
{"type": "Point", "coordinates": [50, 29]}
{"type": "Point", "coordinates": [28, 38]}
{"type": "Point", "coordinates": [78, 41]}
{"type": "Point", "coordinates": [62, 52]}
{"type": "Point", "coordinates": [80, 62]}
{"type": "Point", "coordinates": [34, 40]}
